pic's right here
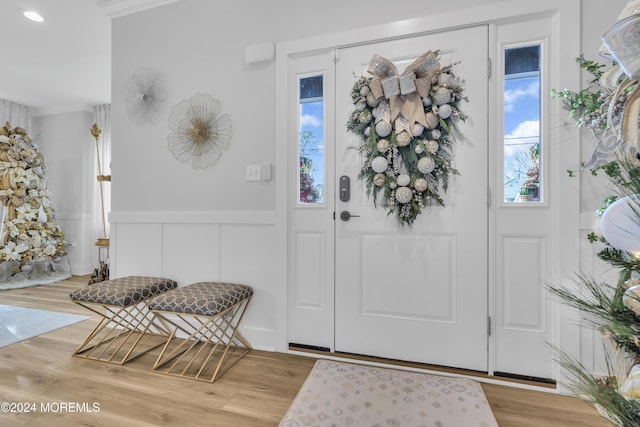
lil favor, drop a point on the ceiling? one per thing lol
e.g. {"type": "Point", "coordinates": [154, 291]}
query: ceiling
{"type": "Point", "coordinates": [61, 64]}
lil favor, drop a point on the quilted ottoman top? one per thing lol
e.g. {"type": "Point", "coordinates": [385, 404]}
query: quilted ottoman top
{"type": "Point", "coordinates": [123, 291]}
{"type": "Point", "coordinates": [202, 298]}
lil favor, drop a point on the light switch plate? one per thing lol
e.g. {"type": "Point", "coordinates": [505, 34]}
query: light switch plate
{"type": "Point", "coordinates": [254, 173]}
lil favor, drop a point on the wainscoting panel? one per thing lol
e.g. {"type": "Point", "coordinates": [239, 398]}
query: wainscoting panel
{"type": "Point", "coordinates": [138, 251]}
{"type": "Point", "coordinates": [247, 256]}
{"type": "Point", "coordinates": [205, 246]}
{"type": "Point", "coordinates": [191, 252]}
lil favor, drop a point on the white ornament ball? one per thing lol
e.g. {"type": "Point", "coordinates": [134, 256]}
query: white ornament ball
{"type": "Point", "coordinates": [379, 164]}
{"type": "Point", "coordinates": [418, 149]}
{"type": "Point", "coordinates": [427, 102]}
{"type": "Point", "coordinates": [619, 225]}
{"type": "Point", "coordinates": [378, 179]}
{"type": "Point", "coordinates": [361, 105]}
{"type": "Point", "coordinates": [432, 120]}
{"type": "Point", "coordinates": [372, 101]}
{"type": "Point", "coordinates": [445, 111]}
{"type": "Point", "coordinates": [367, 131]}
{"type": "Point", "coordinates": [383, 128]}
{"type": "Point", "coordinates": [383, 146]}
{"type": "Point", "coordinates": [403, 139]}
{"type": "Point", "coordinates": [442, 96]}
{"type": "Point", "coordinates": [393, 185]}
{"type": "Point", "coordinates": [631, 299]}
{"type": "Point", "coordinates": [417, 129]}
{"type": "Point", "coordinates": [420, 184]}
{"type": "Point", "coordinates": [432, 146]}
{"type": "Point", "coordinates": [403, 180]}
{"type": "Point", "coordinates": [364, 90]}
{"type": "Point", "coordinates": [365, 117]}
{"type": "Point", "coordinates": [436, 134]}
{"type": "Point", "coordinates": [404, 195]}
{"type": "Point", "coordinates": [426, 165]}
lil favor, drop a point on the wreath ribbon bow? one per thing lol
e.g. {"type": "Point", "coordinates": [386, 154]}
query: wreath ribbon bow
{"type": "Point", "coordinates": [404, 91]}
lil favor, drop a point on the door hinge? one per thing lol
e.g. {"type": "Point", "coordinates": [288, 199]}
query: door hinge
{"type": "Point", "coordinates": [489, 72]}
{"type": "Point", "coordinates": [488, 325]}
{"type": "Point", "coordinates": [334, 215]}
{"type": "Point", "coordinates": [488, 197]}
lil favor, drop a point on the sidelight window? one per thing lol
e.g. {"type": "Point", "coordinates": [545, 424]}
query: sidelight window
{"type": "Point", "coordinates": [311, 170]}
{"type": "Point", "coordinates": [522, 146]}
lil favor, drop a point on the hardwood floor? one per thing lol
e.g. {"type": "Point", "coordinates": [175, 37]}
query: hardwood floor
{"type": "Point", "coordinates": [256, 392]}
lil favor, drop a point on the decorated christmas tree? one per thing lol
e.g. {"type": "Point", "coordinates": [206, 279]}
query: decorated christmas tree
{"type": "Point", "coordinates": [613, 308]}
{"type": "Point", "coordinates": [609, 109]}
{"type": "Point", "coordinates": [29, 232]}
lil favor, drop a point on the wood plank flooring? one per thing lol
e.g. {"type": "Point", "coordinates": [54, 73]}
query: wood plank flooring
{"type": "Point", "coordinates": [256, 392]}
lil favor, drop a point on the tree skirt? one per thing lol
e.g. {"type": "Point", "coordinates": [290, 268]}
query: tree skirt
{"type": "Point", "coordinates": [344, 394]}
{"type": "Point", "coordinates": [24, 280]}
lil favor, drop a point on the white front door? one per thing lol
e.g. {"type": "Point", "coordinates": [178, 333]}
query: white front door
{"type": "Point", "coordinates": [420, 293]}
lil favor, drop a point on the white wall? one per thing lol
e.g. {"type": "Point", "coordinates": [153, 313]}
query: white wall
{"type": "Point", "coordinates": [211, 224]}
{"type": "Point", "coordinates": [66, 142]}
{"type": "Point", "coordinates": [187, 224]}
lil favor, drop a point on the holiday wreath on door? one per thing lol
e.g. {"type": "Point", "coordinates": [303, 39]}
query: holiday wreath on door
{"type": "Point", "coordinates": [407, 125]}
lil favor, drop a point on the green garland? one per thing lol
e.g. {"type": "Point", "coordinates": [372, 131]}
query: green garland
{"type": "Point", "coordinates": [418, 171]}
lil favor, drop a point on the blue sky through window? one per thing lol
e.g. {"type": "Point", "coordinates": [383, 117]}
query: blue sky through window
{"type": "Point", "coordinates": [521, 130]}
{"type": "Point", "coordinates": [312, 120]}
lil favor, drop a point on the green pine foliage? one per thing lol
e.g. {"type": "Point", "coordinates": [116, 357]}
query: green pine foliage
{"type": "Point", "coordinates": [602, 304]}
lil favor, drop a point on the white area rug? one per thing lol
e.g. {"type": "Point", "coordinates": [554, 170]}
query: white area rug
{"type": "Point", "coordinates": [21, 280]}
{"type": "Point", "coordinates": [344, 394]}
{"type": "Point", "coordinates": [19, 323]}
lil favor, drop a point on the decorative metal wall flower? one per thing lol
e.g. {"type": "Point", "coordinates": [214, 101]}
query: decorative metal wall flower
{"type": "Point", "coordinates": [200, 133]}
{"type": "Point", "coordinates": [144, 92]}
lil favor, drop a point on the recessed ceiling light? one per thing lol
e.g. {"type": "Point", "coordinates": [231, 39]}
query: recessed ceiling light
{"type": "Point", "coordinates": [32, 15]}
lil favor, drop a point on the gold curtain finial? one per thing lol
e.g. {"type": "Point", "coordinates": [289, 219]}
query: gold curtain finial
{"type": "Point", "coordinates": [96, 131]}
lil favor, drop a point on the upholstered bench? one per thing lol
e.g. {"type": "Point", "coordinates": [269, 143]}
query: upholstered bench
{"type": "Point", "coordinates": [125, 317]}
{"type": "Point", "coordinates": [207, 315]}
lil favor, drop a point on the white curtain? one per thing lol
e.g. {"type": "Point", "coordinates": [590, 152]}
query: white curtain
{"type": "Point", "coordinates": [16, 114]}
{"type": "Point", "coordinates": [102, 117]}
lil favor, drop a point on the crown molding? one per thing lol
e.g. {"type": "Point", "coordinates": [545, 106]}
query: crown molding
{"type": "Point", "coordinates": [117, 8]}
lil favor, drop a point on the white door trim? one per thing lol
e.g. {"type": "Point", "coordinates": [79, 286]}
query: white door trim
{"type": "Point", "coordinates": [567, 26]}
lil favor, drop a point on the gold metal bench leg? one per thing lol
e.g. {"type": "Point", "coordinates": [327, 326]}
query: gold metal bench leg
{"type": "Point", "coordinates": [119, 332]}
{"type": "Point", "coordinates": [208, 345]}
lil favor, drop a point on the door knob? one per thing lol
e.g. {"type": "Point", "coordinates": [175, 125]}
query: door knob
{"type": "Point", "coordinates": [346, 215]}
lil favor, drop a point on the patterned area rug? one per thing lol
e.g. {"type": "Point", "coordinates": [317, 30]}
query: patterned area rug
{"type": "Point", "coordinates": [19, 323]}
{"type": "Point", "coordinates": [344, 394]}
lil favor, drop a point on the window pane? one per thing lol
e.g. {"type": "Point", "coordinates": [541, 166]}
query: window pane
{"type": "Point", "coordinates": [522, 148]}
{"type": "Point", "coordinates": [311, 140]}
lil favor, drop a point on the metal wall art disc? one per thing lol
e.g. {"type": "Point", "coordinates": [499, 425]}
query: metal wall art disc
{"type": "Point", "coordinates": [200, 132]}
{"type": "Point", "coordinates": [143, 93]}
